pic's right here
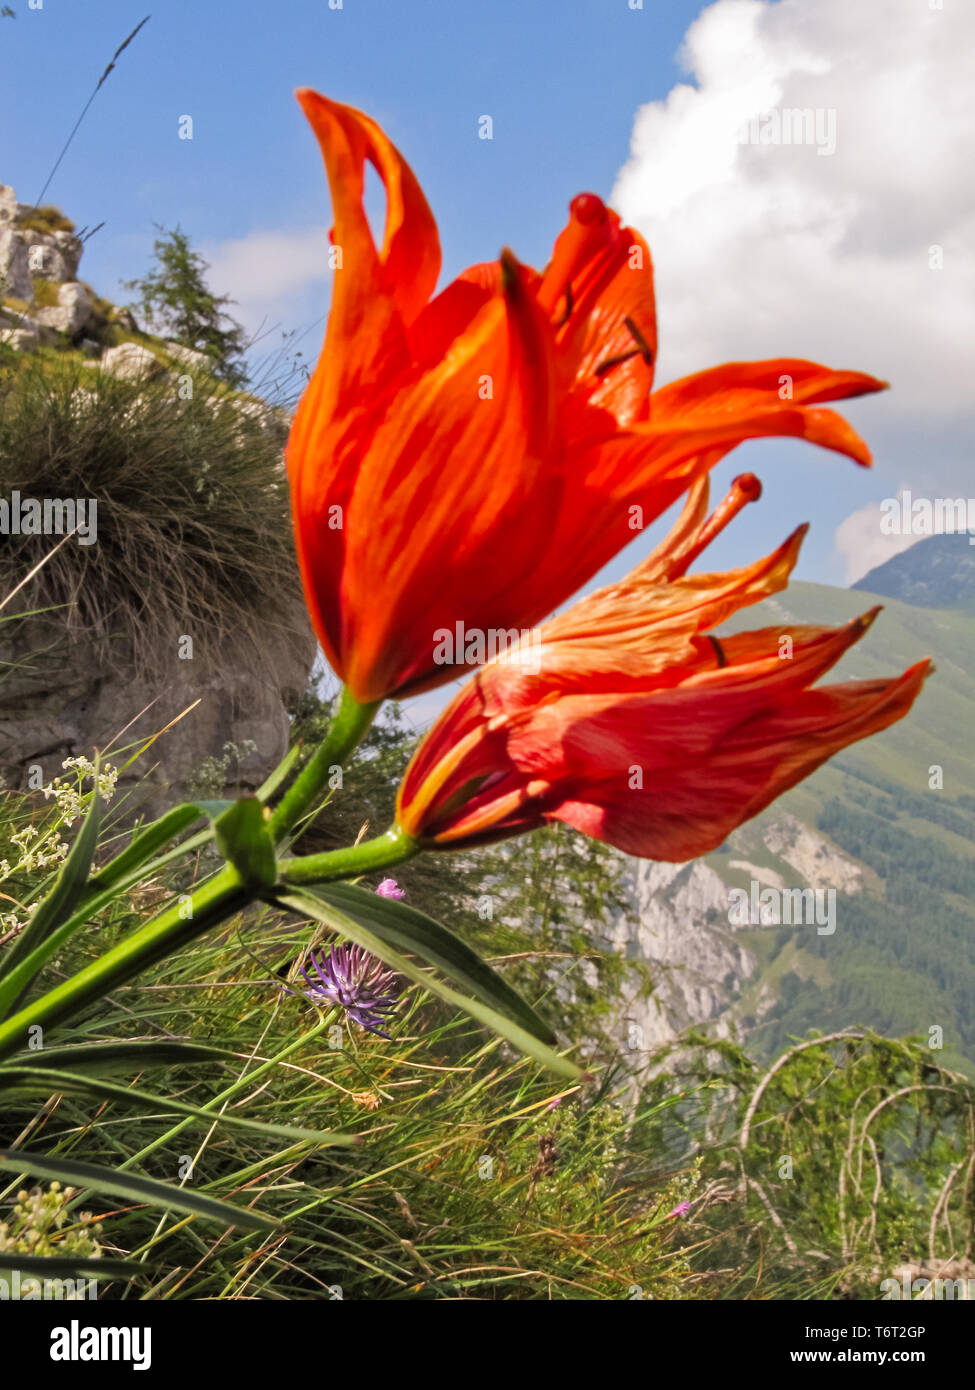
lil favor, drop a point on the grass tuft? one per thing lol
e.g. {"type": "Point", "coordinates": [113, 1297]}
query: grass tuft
{"type": "Point", "coordinates": [193, 522]}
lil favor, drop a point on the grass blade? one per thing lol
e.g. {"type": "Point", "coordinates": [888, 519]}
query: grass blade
{"type": "Point", "coordinates": [95, 1178]}
{"type": "Point", "coordinates": [61, 900]}
{"type": "Point", "coordinates": [18, 1076]}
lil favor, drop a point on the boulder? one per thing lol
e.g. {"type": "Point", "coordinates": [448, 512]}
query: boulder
{"type": "Point", "coordinates": [8, 205]}
{"type": "Point", "coordinates": [26, 253]}
{"type": "Point", "coordinates": [43, 256]}
{"type": "Point", "coordinates": [68, 248]}
{"type": "Point", "coordinates": [130, 361]}
{"type": "Point", "coordinates": [21, 339]}
{"type": "Point", "coordinates": [74, 310]}
{"type": "Point", "coordinates": [124, 318]}
{"type": "Point", "coordinates": [15, 278]}
{"type": "Point", "coordinates": [190, 356]}
{"type": "Point", "coordinates": [271, 419]}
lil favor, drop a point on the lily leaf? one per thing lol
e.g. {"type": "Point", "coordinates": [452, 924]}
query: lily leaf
{"type": "Point", "coordinates": [131, 1188]}
{"type": "Point", "coordinates": [274, 779]}
{"type": "Point", "coordinates": [66, 1267]}
{"type": "Point", "coordinates": [146, 842]}
{"type": "Point", "coordinates": [19, 966]}
{"type": "Point", "coordinates": [93, 1058]}
{"type": "Point", "coordinates": [407, 929]}
{"type": "Point", "coordinates": [309, 903]}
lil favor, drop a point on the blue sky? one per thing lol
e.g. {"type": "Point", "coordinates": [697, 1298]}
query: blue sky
{"type": "Point", "coordinates": [562, 96]}
{"type": "Point", "coordinates": [583, 94]}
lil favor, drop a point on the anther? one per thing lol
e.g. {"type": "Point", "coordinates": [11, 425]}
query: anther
{"type": "Point", "coordinates": [642, 349]}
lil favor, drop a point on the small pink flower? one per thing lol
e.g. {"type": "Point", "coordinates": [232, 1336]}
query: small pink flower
{"type": "Point", "coordinates": [681, 1209]}
{"type": "Point", "coordinates": [389, 888]}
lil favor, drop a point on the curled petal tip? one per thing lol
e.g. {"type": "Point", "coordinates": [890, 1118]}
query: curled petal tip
{"type": "Point", "coordinates": [307, 97]}
{"type": "Point", "coordinates": [867, 619]}
{"type": "Point", "coordinates": [510, 279]}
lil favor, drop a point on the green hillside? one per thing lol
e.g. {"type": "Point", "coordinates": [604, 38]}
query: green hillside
{"type": "Point", "coordinates": [902, 958]}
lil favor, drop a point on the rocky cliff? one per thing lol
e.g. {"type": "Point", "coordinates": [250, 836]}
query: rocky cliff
{"type": "Point", "coordinates": [64, 691]}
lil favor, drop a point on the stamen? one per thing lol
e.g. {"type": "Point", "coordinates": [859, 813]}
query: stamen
{"type": "Point", "coordinates": [744, 489]}
{"type": "Point", "coordinates": [569, 306]}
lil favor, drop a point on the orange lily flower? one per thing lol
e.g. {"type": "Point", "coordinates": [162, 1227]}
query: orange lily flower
{"type": "Point", "coordinates": [636, 726]}
{"type": "Point", "coordinates": [476, 456]}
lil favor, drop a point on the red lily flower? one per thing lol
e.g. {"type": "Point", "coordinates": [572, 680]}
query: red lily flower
{"type": "Point", "coordinates": [477, 456]}
{"type": "Point", "coordinates": [636, 726]}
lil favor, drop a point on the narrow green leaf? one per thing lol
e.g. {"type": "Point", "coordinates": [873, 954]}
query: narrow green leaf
{"type": "Point", "coordinates": [124, 1056]}
{"type": "Point", "coordinates": [19, 1076]}
{"type": "Point", "coordinates": [244, 840]}
{"type": "Point", "coordinates": [64, 1266]}
{"type": "Point", "coordinates": [18, 970]}
{"type": "Point", "coordinates": [274, 779]}
{"type": "Point", "coordinates": [131, 1189]}
{"type": "Point", "coordinates": [145, 844]}
{"type": "Point", "coordinates": [14, 984]}
{"type": "Point", "coordinates": [306, 902]}
{"type": "Point", "coordinates": [407, 929]}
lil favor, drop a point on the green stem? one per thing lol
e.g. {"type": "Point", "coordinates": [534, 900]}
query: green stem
{"type": "Point", "coordinates": [381, 853]}
{"type": "Point", "coordinates": [218, 897]}
{"type": "Point", "coordinates": [347, 729]}
{"type": "Point", "coordinates": [213, 902]}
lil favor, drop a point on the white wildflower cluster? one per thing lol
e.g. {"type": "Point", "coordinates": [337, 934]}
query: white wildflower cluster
{"type": "Point", "coordinates": [41, 1224]}
{"type": "Point", "coordinates": [43, 848]}
{"type": "Point", "coordinates": [34, 851]}
{"type": "Point", "coordinates": [68, 793]}
{"type": "Point", "coordinates": [12, 923]}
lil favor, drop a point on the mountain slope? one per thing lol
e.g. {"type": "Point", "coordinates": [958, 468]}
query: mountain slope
{"type": "Point", "coordinates": [888, 827]}
{"type": "Point", "coordinates": [937, 572]}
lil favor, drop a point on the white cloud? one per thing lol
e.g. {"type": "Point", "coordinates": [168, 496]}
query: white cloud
{"type": "Point", "coordinates": [769, 249]}
{"type": "Point", "coordinates": [879, 530]}
{"type": "Point", "coordinates": [860, 545]}
{"type": "Point", "coordinates": [276, 278]}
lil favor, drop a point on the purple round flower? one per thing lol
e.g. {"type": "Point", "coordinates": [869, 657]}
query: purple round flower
{"type": "Point", "coordinates": [357, 982]}
{"type": "Point", "coordinates": [389, 888]}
